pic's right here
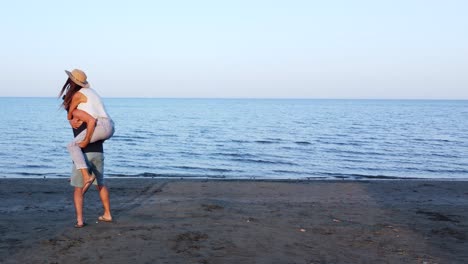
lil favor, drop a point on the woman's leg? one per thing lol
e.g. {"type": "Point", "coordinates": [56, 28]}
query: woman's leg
{"type": "Point", "coordinates": [104, 130]}
{"type": "Point", "coordinates": [78, 158]}
{"type": "Point", "coordinates": [75, 151]}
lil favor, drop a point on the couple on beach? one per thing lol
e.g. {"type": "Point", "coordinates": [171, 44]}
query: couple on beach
{"type": "Point", "coordinates": [91, 127]}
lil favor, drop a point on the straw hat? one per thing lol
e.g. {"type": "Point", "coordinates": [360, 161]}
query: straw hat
{"type": "Point", "coordinates": [78, 77]}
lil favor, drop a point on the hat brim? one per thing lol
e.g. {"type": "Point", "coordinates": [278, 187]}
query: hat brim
{"type": "Point", "coordinates": [84, 85]}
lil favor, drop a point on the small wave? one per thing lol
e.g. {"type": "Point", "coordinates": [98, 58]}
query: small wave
{"type": "Point", "coordinates": [303, 142]}
{"type": "Point", "coordinates": [275, 139]}
{"type": "Point", "coordinates": [39, 175]}
{"type": "Point", "coordinates": [167, 175]}
{"type": "Point", "coordinates": [31, 174]}
{"type": "Point", "coordinates": [219, 170]}
{"type": "Point", "coordinates": [383, 177]}
{"type": "Point", "coordinates": [265, 161]}
{"type": "Point", "coordinates": [444, 156]}
{"type": "Point", "coordinates": [442, 140]}
{"type": "Point", "coordinates": [265, 141]}
{"type": "Point", "coordinates": [165, 135]}
{"type": "Point", "coordinates": [144, 174]}
{"type": "Point", "coordinates": [128, 138]}
{"type": "Point", "coordinates": [289, 148]}
{"type": "Point", "coordinates": [355, 143]}
{"type": "Point", "coordinates": [290, 172]}
{"type": "Point", "coordinates": [239, 155]}
{"type": "Point", "coordinates": [359, 176]}
{"type": "Point", "coordinates": [353, 160]}
{"type": "Point", "coordinates": [343, 153]}
{"type": "Point", "coordinates": [202, 169]}
{"type": "Point", "coordinates": [186, 167]}
{"type": "Point", "coordinates": [37, 167]}
{"type": "Point", "coordinates": [123, 139]}
{"type": "Point", "coordinates": [190, 154]}
{"type": "Point", "coordinates": [239, 141]}
{"type": "Point", "coordinates": [454, 171]}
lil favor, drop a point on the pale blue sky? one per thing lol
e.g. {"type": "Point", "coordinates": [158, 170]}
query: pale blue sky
{"type": "Point", "coordinates": [268, 49]}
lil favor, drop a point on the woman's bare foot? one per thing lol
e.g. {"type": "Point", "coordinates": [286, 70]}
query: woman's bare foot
{"type": "Point", "coordinates": [88, 183]}
{"type": "Point", "coordinates": [87, 180]}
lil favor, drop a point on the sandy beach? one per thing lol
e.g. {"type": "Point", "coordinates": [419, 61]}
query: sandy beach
{"type": "Point", "coordinates": [206, 221]}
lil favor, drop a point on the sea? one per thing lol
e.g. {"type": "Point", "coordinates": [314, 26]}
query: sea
{"type": "Point", "coordinates": [279, 139]}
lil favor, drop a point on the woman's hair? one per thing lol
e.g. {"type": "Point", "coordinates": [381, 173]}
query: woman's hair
{"type": "Point", "coordinates": [69, 89]}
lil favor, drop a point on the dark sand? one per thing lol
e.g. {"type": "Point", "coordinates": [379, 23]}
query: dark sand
{"type": "Point", "coordinates": [197, 221]}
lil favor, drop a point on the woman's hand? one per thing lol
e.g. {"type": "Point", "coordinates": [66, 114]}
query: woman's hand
{"type": "Point", "coordinates": [75, 123]}
{"type": "Point", "coordinates": [90, 125]}
{"type": "Point", "coordinates": [83, 144]}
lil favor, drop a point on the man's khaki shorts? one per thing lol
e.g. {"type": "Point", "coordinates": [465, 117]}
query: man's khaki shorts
{"type": "Point", "coordinates": [95, 162]}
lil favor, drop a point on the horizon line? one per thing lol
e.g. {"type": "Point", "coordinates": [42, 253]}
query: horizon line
{"type": "Point", "coordinates": [259, 98]}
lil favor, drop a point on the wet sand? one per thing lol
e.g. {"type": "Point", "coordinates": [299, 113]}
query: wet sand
{"type": "Point", "coordinates": [204, 221]}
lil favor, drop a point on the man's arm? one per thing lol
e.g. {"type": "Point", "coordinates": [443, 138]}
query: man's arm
{"type": "Point", "coordinates": [75, 123]}
{"type": "Point", "coordinates": [90, 125]}
{"type": "Point", "coordinates": [92, 147]}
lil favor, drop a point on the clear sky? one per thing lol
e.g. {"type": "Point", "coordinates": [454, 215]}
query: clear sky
{"type": "Point", "coordinates": [244, 48]}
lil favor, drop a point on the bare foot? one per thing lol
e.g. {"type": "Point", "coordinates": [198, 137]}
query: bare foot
{"type": "Point", "coordinates": [88, 184]}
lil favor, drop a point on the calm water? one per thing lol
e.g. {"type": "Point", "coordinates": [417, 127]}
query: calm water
{"type": "Point", "coordinates": [276, 139]}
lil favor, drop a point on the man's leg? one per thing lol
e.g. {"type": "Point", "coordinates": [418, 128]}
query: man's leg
{"type": "Point", "coordinates": [78, 199]}
{"type": "Point", "coordinates": [97, 167]}
{"type": "Point", "coordinates": [104, 195]}
{"type": "Point", "coordinates": [76, 181]}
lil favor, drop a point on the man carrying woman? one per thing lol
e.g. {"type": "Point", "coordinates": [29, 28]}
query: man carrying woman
{"type": "Point", "coordinates": [92, 125]}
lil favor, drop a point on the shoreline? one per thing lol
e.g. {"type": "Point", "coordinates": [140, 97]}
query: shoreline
{"type": "Point", "coordinates": [238, 221]}
{"type": "Point", "coordinates": [253, 179]}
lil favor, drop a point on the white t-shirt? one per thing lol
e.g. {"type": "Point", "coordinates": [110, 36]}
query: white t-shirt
{"type": "Point", "coordinates": [93, 105]}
